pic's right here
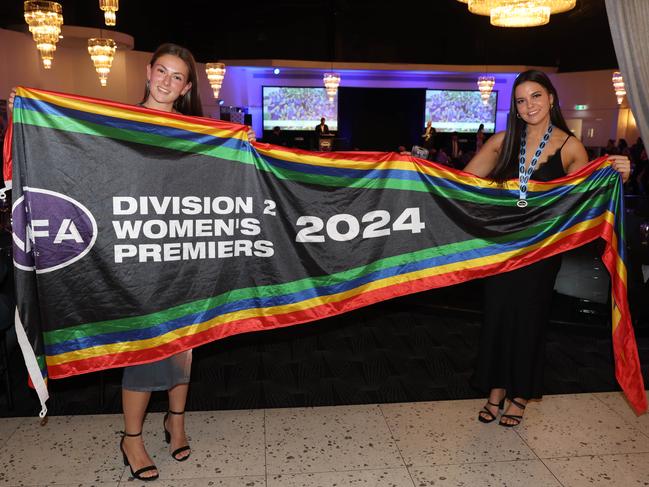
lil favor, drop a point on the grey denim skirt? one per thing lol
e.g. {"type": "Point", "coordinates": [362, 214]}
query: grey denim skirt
{"type": "Point", "coordinates": [159, 376]}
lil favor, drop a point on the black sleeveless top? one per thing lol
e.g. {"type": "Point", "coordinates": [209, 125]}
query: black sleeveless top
{"type": "Point", "coordinates": [549, 170]}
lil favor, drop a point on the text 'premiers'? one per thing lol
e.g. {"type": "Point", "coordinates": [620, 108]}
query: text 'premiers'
{"type": "Point", "coordinates": [221, 227]}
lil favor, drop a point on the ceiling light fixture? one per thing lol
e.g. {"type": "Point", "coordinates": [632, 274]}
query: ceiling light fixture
{"type": "Point", "coordinates": [215, 74]}
{"type": "Point", "coordinates": [102, 52]}
{"type": "Point", "coordinates": [481, 7]}
{"type": "Point", "coordinates": [109, 7]}
{"type": "Point", "coordinates": [618, 87]}
{"type": "Point", "coordinates": [519, 13]}
{"type": "Point", "coordinates": [331, 82]}
{"type": "Point", "coordinates": [560, 6]}
{"type": "Point", "coordinates": [486, 85]}
{"type": "Point", "coordinates": [45, 20]}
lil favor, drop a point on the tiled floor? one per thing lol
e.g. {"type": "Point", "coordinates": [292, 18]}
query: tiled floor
{"type": "Point", "coordinates": [565, 440]}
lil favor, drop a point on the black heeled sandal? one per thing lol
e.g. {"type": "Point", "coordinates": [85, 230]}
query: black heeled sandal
{"type": "Point", "coordinates": [485, 410]}
{"type": "Point", "coordinates": [517, 418]}
{"type": "Point", "coordinates": [138, 473]}
{"type": "Point", "coordinates": [177, 451]}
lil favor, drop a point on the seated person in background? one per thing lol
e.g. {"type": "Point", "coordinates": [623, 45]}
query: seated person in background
{"type": "Point", "coordinates": [642, 173]}
{"type": "Point", "coordinates": [610, 147]}
{"type": "Point", "coordinates": [276, 136]}
{"type": "Point", "coordinates": [442, 158]}
{"type": "Point", "coordinates": [402, 150]}
{"type": "Point", "coordinates": [321, 128]}
{"type": "Point", "coordinates": [636, 149]}
{"type": "Point", "coordinates": [623, 148]}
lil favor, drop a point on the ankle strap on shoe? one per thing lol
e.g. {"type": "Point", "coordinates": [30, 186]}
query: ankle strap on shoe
{"type": "Point", "coordinates": [518, 404]}
{"type": "Point", "coordinates": [132, 435]}
{"type": "Point", "coordinates": [174, 412]}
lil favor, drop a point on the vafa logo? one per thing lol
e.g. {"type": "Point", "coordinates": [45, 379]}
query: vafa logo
{"type": "Point", "coordinates": [50, 230]}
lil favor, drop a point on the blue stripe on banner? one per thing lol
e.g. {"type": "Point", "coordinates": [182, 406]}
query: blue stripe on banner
{"type": "Point", "coordinates": [413, 175]}
{"type": "Point", "coordinates": [120, 123]}
{"type": "Point", "coordinates": [263, 302]}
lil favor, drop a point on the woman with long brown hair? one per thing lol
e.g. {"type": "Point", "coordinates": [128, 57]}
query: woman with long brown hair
{"type": "Point", "coordinates": [536, 145]}
{"type": "Point", "coordinates": [171, 86]}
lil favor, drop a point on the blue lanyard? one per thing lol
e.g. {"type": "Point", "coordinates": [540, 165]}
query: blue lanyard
{"type": "Point", "coordinates": [523, 175]}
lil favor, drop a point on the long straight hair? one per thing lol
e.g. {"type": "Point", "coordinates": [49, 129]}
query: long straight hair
{"type": "Point", "coordinates": [190, 102]}
{"type": "Point", "coordinates": [509, 152]}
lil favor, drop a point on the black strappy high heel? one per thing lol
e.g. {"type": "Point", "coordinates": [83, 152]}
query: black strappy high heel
{"type": "Point", "coordinates": [516, 417]}
{"type": "Point", "coordinates": [138, 473]}
{"type": "Point", "coordinates": [485, 410]}
{"type": "Point", "coordinates": [177, 451]}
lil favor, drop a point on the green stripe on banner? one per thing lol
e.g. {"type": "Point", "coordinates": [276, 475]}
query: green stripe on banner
{"type": "Point", "coordinates": [145, 321]}
{"type": "Point", "coordinates": [68, 124]}
{"type": "Point", "coordinates": [64, 123]}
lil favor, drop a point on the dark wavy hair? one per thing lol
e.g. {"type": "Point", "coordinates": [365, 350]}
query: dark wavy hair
{"type": "Point", "coordinates": [190, 102]}
{"type": "Point", "coordinates": [509, 152]}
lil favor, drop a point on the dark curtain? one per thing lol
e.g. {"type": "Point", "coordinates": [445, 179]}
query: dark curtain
{"type": "Point", "coordinates": [380, 119]}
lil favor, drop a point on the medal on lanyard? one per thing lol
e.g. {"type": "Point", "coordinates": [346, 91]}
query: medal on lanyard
{"type": "Point", "coordinates": [523, 174]}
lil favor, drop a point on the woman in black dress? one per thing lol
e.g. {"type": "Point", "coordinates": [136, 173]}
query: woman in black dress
{"type": "Point", "coordinates": [517, 303]}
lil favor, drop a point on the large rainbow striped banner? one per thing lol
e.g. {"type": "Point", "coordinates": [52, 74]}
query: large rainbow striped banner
{"type": "Point", "coordinates": [139, 234]}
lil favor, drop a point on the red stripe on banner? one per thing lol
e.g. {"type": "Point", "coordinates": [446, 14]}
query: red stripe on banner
{"type": "Point", "coordinates": [371, 158]}
{"type": "Point", "coordinates": [627, 362]}
{"type": "Point", "coordinates": [7, 162]}
{"type": "Point", "coordinates": [318, 312]}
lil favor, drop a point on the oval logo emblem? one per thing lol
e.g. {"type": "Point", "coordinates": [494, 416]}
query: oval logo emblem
{"type": "Point", "coordinates": [50, 230]}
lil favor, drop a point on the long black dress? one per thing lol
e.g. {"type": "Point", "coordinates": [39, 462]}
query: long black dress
{"type": "Point", "coordinates": [516, 314]}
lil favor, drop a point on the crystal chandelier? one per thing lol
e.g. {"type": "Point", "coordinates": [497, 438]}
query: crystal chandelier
{"type": "Point", "coordinates": [618, 87]}
{"type": "Point", "coordinates": [101, 52]}
{"type": "Point", "coordinates": [109, 7]}
{"type": "Point", "coordinates": [215, 74]}
{"type": "Point", "coordinates": [520, 14]}
{"type": "Point", "coordinates": [331, 82]}
{"type": "Point", "coordinates": [485, 85]}
{"type": "Point", "coordinates": [45, 20]}
{"type": "Point", "coordinates": [559, 6]}
{"type": "Point", "coordinates": [481, 7]}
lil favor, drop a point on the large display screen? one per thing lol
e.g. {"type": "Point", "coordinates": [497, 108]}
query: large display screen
{"type": "Point", "coordinates": [298, 108]}
{"type": "Point", "coordinates": [460, 111]}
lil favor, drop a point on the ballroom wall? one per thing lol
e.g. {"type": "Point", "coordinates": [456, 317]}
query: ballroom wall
{"type": "Point", "coordinates": [73, 72]}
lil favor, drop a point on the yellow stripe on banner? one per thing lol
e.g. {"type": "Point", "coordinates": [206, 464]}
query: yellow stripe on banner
{"type": "Point", "coordinates": [339, 162]}
{"type": "Point", "coordinates": [620, 266]}
{"type": "Point", "coordinates": [197, 328]}
{"type": "Point", "coordinates": [386, 164]}
{"type": "Point", "coordinates": [161, 119]}
{"type": "Point", "coordinates": [133, 115]}
{"type": "Point", "coordinates": [616, 314]}
{"type": "Point", "coordinates": [389, 162]}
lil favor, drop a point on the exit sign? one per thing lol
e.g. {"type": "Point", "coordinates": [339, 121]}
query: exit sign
{"type": "Point", "coordinates": [581, 107]}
